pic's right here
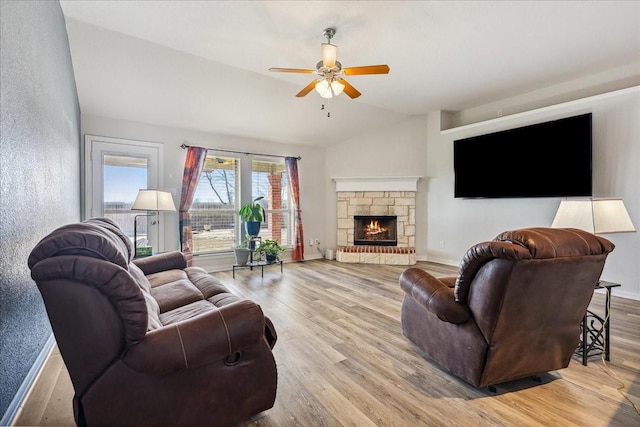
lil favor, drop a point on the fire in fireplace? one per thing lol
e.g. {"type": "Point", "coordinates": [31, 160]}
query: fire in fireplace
{"type": "Point", "coordinates": [375, 230]}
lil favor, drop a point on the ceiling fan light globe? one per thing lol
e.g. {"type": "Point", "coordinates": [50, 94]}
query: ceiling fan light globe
{"type": "Point", "coordinates": [337, 87]}
{"type": "Point", "coordinates": [323, 88]}
{"type": "Point", "coordinates": [329, 54]}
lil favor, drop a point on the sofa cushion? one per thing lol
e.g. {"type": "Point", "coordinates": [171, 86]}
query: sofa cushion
{"type": "Point", "coordinates": [176, 293]}
{"type": "Point", "coordinates": [153, 309]}
{"type": "Point", "coordinates": [166, 276]}
{"type": "Point", "coordinates": [176, 288]}
{"type": "Point", "coordinates": [186, 312]}
{"type": "Point", "coordinates": [223, 299]}
{"type": "Point", "coordinates": [212, 289]}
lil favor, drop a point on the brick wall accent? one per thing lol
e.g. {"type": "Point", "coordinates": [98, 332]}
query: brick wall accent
{"type": "Point", "coordinates": [392, 255]}
{"type": "Point", "coordinates": [275, 202]}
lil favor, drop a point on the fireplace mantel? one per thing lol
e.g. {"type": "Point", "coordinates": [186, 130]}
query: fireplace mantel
{"type": "Point", "coordinates": [377, 183]}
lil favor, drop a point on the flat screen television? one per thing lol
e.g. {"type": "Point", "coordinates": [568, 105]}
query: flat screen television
{"type": "Point", "coordinates": [551, 159]}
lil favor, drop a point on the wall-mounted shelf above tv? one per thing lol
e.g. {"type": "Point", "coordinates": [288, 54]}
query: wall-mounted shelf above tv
{"type": "Point", "coordinates": [537, 114]}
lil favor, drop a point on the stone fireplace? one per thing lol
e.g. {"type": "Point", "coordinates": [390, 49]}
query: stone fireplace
{"type": "Point", "coordinates": [376, 199]}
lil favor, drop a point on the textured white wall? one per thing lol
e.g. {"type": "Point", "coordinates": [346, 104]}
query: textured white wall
{"type": "Point", "coordinates": [39, 171]}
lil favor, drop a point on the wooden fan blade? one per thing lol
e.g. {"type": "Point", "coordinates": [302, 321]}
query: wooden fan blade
{"type": "Point", "coordinates": [351, 91]}
{"type": "Point", "coordinates": [367, 69]}
{"type": "Point", "coordinates": [291, 70]}
{"type": "Point", "coordinates": [308, 88]}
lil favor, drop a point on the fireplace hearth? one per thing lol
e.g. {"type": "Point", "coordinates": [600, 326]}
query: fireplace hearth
{"type": "Point", "coordinates": [375, 230]}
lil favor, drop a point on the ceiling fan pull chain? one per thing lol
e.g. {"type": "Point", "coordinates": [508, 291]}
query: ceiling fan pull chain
{"type": "Point", "coordinates": [322, 108]}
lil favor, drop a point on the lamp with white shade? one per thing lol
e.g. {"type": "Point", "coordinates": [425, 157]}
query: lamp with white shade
{"type": "Point", "coordinates": [597, 216]}
{"type": "Point", "coordinates": [150, 200]}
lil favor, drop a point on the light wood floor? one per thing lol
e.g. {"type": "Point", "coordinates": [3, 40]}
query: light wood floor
{"type": "Point", "coordinates": [343, 361]}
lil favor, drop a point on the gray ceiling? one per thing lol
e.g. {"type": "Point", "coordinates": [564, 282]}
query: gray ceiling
{"type": "Point", "coordinates": [203, 65]}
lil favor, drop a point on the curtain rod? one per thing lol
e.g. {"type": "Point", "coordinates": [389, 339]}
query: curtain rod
{"type": "Point", "coordinates": [183, 146]}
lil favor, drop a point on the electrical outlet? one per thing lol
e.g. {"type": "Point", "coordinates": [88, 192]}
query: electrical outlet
{"type": "Point", "coordinates": [310, 242]}
{"type": "Point", "coordinates": [500, 112]}
{"type": "Point", "coordinates": [441, 244]}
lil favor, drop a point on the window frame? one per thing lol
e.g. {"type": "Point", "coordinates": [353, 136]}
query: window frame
{"type": "Point", "coordinates": [233, 210]}
{"type": "Point", "coordinates": [244, 193]}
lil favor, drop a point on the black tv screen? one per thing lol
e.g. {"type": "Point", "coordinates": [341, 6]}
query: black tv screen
{"type": "Point", "coordinates": [551, 159]}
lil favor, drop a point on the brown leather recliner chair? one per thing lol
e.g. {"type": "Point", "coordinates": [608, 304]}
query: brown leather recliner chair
{"type": "Point", "coordinates": [513, 311]}
{"type": "Point", "coordinates": [150, 342]}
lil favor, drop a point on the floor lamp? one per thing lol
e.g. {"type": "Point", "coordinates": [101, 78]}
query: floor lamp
{"type": "Point", "coordinates": [597, 216]}
{"type": "Point", "coordinates": [149, 200]}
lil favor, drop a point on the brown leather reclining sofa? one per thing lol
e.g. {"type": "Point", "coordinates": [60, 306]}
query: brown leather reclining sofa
{"type": "Point", "coordinates": [150, 342]}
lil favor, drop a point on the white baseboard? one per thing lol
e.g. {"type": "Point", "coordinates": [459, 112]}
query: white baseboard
{"type": "Point", "coordinates": [442, 261]}
{"type": "Point", "coordinates": [623, 294]}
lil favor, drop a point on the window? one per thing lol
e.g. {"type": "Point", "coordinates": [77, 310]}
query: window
{"type": "Point", "coordinates": [214, 212]}
{"type": "Point", "coordinates": [123, 177]}
{"type": "Point", "coordinates": [270, 180]}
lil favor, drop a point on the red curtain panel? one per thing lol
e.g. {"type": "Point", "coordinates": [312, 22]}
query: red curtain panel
{"type": "Point", "coordinates": [294, 183]}
{"type": "Point", "coordinates": [193, 165]}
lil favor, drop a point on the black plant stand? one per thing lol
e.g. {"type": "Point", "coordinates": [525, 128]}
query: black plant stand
{"type": "Point", "coordinates": [261, 264]}
{"type": "Point", "coordinates": [253, 243]}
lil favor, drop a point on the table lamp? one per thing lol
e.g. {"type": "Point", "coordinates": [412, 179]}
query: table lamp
{"type": "Point", "coordinates": [597, 216]}
{"type": "Point", "coordinates": [149, 200]}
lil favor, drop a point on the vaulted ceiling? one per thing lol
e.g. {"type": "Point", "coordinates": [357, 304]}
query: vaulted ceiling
{"type": "Point", "coordinates": [203, 65]}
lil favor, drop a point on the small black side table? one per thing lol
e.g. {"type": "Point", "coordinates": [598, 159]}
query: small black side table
{"type": "Point", "coordinates": [595, 336]}
{"type": "Point", "coordinates": [252, 264]}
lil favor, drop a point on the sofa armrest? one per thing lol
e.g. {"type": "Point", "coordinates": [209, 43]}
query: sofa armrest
{"type": "Point", "coordinates": [203, 339]}
{"type": "Point", "coordinates": [434, 295]}
{"type": "Point", "coordinates": [161, 262]}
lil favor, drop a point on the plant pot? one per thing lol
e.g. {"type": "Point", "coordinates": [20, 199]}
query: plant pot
{"type": "Point", "coordinates": [271, 257]}
{"type": "Point", "coordinates": [242, 256]}
{"type": "Point", "coordinates": [252, 227]}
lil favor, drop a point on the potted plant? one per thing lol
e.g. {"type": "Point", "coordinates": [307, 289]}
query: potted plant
{"type": "Point", "coordinates": [271, 250]}
{"type": "Point", "coordinates": [252, 213]}
{"type": "Point", "coordinates": [241, 253]}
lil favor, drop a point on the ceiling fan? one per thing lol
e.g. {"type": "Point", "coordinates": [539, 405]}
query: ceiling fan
{"type": "Point", "coordinates": [331, 81]}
